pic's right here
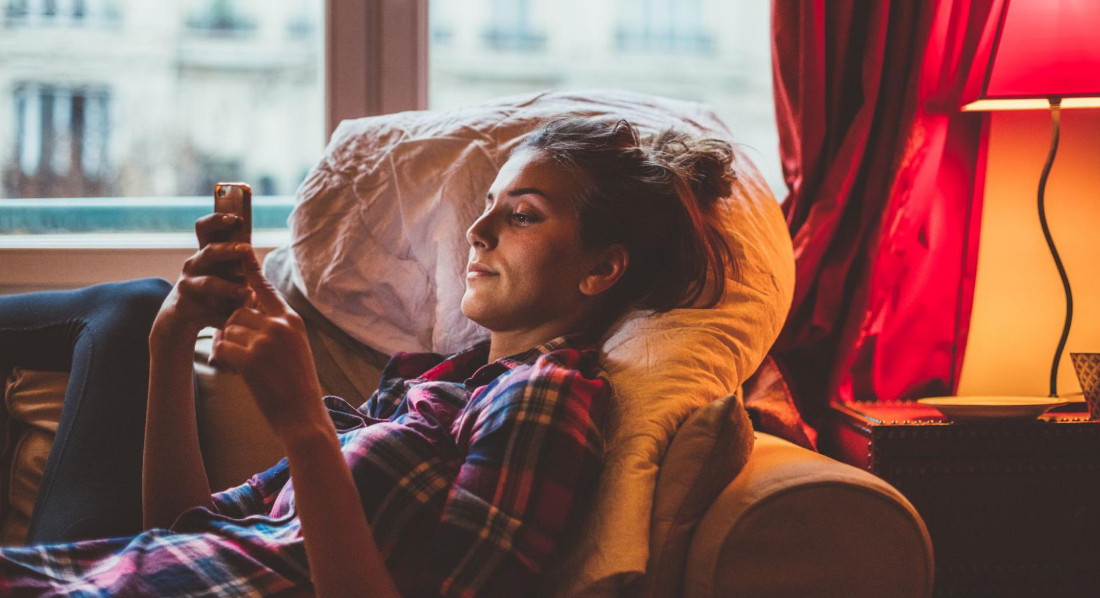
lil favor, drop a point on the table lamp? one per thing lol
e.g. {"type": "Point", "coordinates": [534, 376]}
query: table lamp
{"type": "Point", "coordinates": [1041, 55]}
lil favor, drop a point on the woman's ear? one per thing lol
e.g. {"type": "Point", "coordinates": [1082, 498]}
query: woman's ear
{"type": "Point", "coordinates": [607, 271]}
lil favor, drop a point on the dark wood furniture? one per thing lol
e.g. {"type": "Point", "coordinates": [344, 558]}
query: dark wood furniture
{"type": "Point", "coordinates": [1013, 507]}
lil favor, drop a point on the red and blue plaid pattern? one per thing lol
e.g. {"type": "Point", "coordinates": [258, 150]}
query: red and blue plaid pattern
{"type": "Point", "coordinates": [471, 475]}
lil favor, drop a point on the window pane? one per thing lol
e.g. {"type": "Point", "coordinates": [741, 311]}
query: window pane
{"type": "Point", "coordinates": [161, 99]}
{"type": "Point", "coordinates": [712, 51]}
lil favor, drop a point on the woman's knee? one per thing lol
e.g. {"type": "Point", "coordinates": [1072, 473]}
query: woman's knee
{"type": "Point", "coordinates": [146, 295]}
{"type": "Point", "coordinates": [132, 304]}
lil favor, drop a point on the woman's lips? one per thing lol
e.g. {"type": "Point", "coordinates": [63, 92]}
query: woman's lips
{"type": "Point", "coordinates": [476, 270]}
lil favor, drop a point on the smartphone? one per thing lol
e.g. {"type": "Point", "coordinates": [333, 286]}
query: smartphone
{"type": "Point", "coordinates": [236, 199]}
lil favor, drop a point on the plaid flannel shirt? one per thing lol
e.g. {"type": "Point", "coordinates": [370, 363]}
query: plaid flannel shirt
{"type": "Point", "coordinates": [471, 475]}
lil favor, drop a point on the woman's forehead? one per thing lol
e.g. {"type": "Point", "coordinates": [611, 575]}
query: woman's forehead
{"type": "Point", "coordinates": [533, 169]}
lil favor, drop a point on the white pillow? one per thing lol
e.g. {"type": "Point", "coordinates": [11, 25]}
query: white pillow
{"type": "Point", "coordinates": [378, 247]}
{"type": "Point", "coordinates": [391, 199]}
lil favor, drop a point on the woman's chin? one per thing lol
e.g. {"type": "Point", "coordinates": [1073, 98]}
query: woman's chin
{"type": "Point", "coordinates": [469, 308]}
{"type": "Point", "coordinates": [479, 313]}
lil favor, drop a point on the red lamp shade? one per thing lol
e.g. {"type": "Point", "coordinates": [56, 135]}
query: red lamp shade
{"type": "Point", "coordinates": [1039, 49]}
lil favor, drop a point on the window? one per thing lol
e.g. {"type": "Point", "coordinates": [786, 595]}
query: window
{"type": "Point", "coordinates": [662, 26]}
{"type": "Point", "coordinates": [133, 99]}
{"type": "Point", "coordinates": [134, 102]}
{"type": "Point", "coordinates": [221, 17]}
{"type": "Point", "coordinates": [511, 27]}
{"type": "Point", "coordinates": [58, 12]}
{"type": "Point", "coordinates": [164, 98]}
{"type": "Point", "coordinates": [712, 51]}
{"type": "Point", "coordinates": [61, 139]}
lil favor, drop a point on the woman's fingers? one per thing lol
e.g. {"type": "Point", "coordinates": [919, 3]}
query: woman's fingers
{"type": "Point", "coordinates": [207, 259]}
{"type": "Point", "coordinates": [212, 227]}
{"type": "Point", "coordinates": [248, 318]}
{"type": "Point", "coordinates": [214, 287]}
{"type": "Point", "coordinates": [271, 353]}
{"type": "Point", "coordinates": [209, 300]}
{"type": "Point", "coordinates": [267, 298]}
{"type": "Point", "coordinates": [226, 355]}
{"type": "Point", "coordinates": [216, 350]}
{"type": "Point", "coordinates": [246, 337]}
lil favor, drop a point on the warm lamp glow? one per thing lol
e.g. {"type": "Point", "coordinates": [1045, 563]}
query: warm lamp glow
{"type": "Point", "coordinates": [1028, 104]}
{"type": "Point", "coordinates": [1040, 55]}
{"type": "Point", "coordinates": [1037, 50]}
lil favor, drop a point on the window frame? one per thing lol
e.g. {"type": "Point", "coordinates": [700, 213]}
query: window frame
{"type": "Point", "coordinates": [375, 62]}
{"type": "Point", "coordinates": [379, 42]}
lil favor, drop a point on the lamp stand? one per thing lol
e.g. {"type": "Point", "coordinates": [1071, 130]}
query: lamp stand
{"type": "Point", "coordinates": [1055, 119]}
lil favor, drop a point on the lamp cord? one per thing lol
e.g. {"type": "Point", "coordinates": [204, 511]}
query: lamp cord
{"type": "Point", "coordinates": [1055, 120]}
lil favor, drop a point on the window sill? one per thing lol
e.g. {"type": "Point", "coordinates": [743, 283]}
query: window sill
{"type": "Point", "coordinates": [65, 261]}
{"type": "Point", "coordinates": [127, 241]}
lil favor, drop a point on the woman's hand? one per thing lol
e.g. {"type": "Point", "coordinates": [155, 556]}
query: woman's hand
{"type": "Point", "coordinates": [265, 342]}
{"type": "Point", "coordinates": [201, 297]}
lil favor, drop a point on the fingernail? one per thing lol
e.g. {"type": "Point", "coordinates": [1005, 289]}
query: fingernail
{"type": "Point", "coordinates": [227, 218]}
{"type": "Point", "coordinates": [241, 247]}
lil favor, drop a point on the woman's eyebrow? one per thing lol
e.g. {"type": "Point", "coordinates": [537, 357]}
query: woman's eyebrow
{"type": "Point", "coordinates": [521, 191]}
{"type": "Point", "coordinates": [527, 191]}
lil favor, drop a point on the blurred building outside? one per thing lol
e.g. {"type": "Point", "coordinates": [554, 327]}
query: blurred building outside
{"type": "Point", "coordinates": [125, 98]}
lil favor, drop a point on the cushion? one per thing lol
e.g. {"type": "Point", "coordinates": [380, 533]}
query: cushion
{"type": "Point", "coordinates": [32, 404]}
{"type": "Point", "coordinates": [706, 454]}
{"type": "Point", "coordinates": [378, 249]}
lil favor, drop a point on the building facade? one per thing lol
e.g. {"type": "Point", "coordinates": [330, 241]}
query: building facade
{"type": "Point", "coordinates": [137, 98]}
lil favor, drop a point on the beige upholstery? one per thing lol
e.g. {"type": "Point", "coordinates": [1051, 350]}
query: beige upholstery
{"type": "Point", "coordinates": [32, 408]}
{"type": "Point", "coordinates": [796, 523]}
{"type": "Point", "coordinates": [236, 442]}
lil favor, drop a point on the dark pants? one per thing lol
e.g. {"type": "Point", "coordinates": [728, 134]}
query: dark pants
{"type": "Point", "coordinates": [91, 486]}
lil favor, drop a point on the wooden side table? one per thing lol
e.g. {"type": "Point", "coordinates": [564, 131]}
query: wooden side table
{"type": "Point", "coordinates": [1013, 507]}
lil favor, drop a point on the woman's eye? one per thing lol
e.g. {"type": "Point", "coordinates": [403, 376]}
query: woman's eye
{"type": "Point", "coordinates": [523, 218]}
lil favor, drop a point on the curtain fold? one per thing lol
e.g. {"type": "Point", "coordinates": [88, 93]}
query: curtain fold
{"type": "Point", "coordinates": [884, 178]}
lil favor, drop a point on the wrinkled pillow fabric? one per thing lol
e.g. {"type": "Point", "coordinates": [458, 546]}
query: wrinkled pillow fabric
{"type": "Point", "coordinates": [378, 248]}
{"type": "Point", "coordinates": [378, 232]}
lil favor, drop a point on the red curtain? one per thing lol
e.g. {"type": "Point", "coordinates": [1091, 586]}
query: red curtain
{"type": "Point", "coordinates": [884, 177]}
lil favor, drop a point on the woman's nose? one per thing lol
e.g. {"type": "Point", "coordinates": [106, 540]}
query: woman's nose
{"type": "Point", "coordinates": [480, 233]}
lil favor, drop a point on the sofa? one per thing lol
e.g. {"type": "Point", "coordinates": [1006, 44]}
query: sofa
{"type": "Point", "coordinates": [692, 501]}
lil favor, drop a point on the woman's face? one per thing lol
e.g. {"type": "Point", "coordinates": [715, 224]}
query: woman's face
{"type": "Point", "coordinates": [526, 263]}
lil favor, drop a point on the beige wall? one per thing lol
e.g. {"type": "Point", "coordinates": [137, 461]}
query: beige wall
{"type": "Point", "coordinates": [73, 261]}
{"type": "Point", "coordinates": [1018, 301]}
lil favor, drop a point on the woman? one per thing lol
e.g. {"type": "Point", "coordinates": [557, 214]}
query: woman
{"type": "Point", "coordinates": [460, 476]}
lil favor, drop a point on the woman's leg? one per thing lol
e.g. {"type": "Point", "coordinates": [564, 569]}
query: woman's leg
{"type": "Point", "coordinates": [91, 486]}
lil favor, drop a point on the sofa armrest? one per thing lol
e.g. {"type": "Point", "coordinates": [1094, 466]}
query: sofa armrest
{"type": "Point", "coordinates": [797, 523]}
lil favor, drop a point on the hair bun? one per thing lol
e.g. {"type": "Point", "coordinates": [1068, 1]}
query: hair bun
{"type": "Point", "coordinates": [703, 163]}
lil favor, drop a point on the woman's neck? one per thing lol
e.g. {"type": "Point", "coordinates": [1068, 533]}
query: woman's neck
{"type": "Point", "coordinates": [510, 342]}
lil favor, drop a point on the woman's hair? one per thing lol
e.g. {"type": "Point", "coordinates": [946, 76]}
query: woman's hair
{"type": "Point", "coordinates": [659, 198]}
